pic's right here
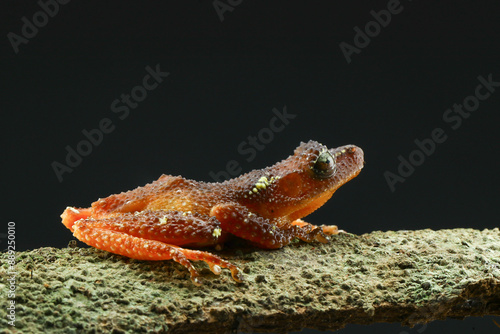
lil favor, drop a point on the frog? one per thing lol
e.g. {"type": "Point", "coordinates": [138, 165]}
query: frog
{"type": "Point", "coordinates": [174, 218]}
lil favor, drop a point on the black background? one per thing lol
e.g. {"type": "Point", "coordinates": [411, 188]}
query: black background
{"type": "Point", "coordinates": [225, 79]}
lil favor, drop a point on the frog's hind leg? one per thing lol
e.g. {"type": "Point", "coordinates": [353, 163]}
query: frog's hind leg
{"type": "Point", "coordinates": [130, 246]}
{"type": "Point", "coordinates": [144, 237]}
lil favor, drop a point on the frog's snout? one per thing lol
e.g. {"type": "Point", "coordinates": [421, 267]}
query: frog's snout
{"type": "Point", "coordinates": [350, 155]}
{"type": "Point", "coordinates": [358, 156]}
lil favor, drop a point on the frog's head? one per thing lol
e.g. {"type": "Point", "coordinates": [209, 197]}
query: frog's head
{"type": "Point", "coordinates": [303, 182]}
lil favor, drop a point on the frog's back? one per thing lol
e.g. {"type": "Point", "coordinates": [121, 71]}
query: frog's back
{"type": "Point", "coordinates": [168, 193]}
{"type": "Point", "coordinates": [180, 194]}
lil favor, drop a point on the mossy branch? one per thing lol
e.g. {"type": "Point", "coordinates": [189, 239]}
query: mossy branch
{"type": "Point", "coordinates": [408, 277]}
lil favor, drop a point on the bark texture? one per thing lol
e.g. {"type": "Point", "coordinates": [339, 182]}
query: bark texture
{"type": "Point", "coordinates": [408, 277]}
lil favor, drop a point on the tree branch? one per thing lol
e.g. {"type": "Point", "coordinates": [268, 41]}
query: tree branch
{"type": "Point", "coordinates": [408, 277]}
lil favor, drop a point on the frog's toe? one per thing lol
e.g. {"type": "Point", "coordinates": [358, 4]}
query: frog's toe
{"type": "Point", "coordinates": [323, 238]}
{"type": "Point", "coordinates": [72, 215]}
{"type": "Point", "coordinates": [216, 269]}
{"type": "Point", "coordinates": [331, 229]}
{"type": "Point", "coordinates": [237, 274]}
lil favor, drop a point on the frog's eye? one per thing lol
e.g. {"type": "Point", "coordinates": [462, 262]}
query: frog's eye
{"type": "Point", "coordinates": [324, 166]}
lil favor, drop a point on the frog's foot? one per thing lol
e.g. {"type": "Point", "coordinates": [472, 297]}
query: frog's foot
{"type": "Point", "coordinates": [123, 238]}
{"type": "Point", "coordinates": [331, 229]}
{"type": "Point", "coordinates": [214, 262]}
{"type": "Point", "coordinates": [327, 229]}
{"type": "Point", "coordinates": [309, 233]}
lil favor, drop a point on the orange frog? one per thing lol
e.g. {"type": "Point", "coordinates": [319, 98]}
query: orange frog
{"type": "Point", "coordinates": [160, 220]}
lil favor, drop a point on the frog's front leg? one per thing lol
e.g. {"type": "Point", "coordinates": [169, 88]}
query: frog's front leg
{"type": "Point", "coordinates": [156, 235]}
{"type": "Point", "coordinates": [238, 220]}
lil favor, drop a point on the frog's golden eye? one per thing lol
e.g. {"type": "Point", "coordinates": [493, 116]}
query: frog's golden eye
{"type": "Point", "coordinates": [324, 166]}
